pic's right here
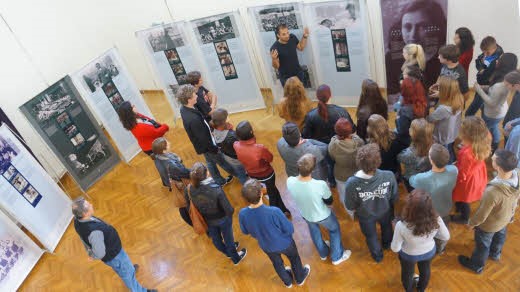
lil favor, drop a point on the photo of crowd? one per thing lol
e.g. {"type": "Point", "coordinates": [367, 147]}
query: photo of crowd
{"type": "Point", "coordinates": [270, 18]}
{"type": "Point", "coordinates": [216, 30]}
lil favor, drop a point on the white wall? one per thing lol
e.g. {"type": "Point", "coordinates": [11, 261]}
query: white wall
{"type": "Point", "coordinates": [61, 36]}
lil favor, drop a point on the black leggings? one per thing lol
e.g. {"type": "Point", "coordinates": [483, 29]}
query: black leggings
{"type": "Point", "coordinates": [275, 199]}
{"type": "Point", "coordinates": [407, 271]}
{"type": "Point", "coordinates": [464, 210]}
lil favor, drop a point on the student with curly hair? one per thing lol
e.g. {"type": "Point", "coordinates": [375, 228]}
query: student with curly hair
{"type": "Point", "coordinates": [295, 104]}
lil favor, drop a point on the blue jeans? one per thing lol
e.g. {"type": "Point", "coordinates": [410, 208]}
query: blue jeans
{"type": "Point", "coordinates": [487, 244]}
{"type": "Point", "coordinates": [492, 125]}
{"type": "Point", "coordinates": [290, 252]}
{"type": "Point", "coordinates": [450, 146]}
{"type": "Point", "coordinates": [332, 225]}
{"type": "Point", "coordinates": [368, 228]}
{"type": "Point", "coordinates": [330, 170]}
{"type": "Point", "coordinates": [238, 169]}
{"type": "Point", "coordinates": [212, 159]}
{"type": "Point", "coordinates": [122, 265]}
{"type": "Point", "coordinates": [221, 234]}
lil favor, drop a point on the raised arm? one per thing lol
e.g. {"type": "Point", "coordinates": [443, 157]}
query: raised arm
{"type": "Point", "coordinates": [303, 41]}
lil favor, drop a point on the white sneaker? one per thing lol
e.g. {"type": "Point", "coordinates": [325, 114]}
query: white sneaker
{"type": "Point", "coordinates": [288, 269]}
{"type": "Point", "coordinates": [307, 269]}
{"type": "Point", "coordinates": [328, 244]}
{"type": "Point", "coordinates": [346, 256]}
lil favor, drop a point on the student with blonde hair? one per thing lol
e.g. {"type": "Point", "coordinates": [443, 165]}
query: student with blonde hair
{"type": "Point", "coordinates": [413, 55]}
{"type": "Point", "coordinates": [295, 104]}
{"type": "Point", "coordinates": [379, 133]}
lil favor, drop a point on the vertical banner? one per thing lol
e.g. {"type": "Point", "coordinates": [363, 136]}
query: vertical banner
{"type": "Point", "coordinates": [59, 115]}
{"type": "Point", "coordinates": [29, 194]}
{"type": "Point", "coordinates": [412, 22]}
{"type": "Point", "coordinates": [18, 255]}
{"type": "Point", "coordinates": [339, 39]}
{"type": "Point", "coordinates": [227, 62]}
{"type": "Point", "coordinates": [105, 83]}
{"type": "Point", "coordinates": [265, 19]}
{"type": "Point", "coordinates": [171, 56]}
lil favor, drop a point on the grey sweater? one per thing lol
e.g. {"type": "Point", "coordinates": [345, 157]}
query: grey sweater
{"type": "Point", "coordinates": [446, 123]}
{"type": "Point", "coordinates": [495, 101]}
{"type": "Point", "coordinates": [290, 156]}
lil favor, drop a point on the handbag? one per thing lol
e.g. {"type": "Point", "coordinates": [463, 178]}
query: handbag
{"type": "Point", "coordinates": [177, 189]}
{"type": "Point", "coordinates": [199, 224]}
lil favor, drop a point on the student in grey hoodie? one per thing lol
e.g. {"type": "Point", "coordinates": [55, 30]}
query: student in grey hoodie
{"type": "Point", "coordinates": [291, 147]}
{"type": "Point", "coordinates": [371, 192]}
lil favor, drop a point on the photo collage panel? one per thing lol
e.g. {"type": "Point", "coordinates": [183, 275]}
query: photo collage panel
{"type": "Point", "coordinates": [9, 172]}
{"type": "Point", "coordinates": [225, 60]}
{"type": "Point", "coordinates": [340, 45]}
{"type": "Point", "coordinates": [176, 65]}
{"type": "Point", "coordinates": [100, 77]}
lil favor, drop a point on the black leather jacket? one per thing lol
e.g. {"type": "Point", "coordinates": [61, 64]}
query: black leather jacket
{"type": "Point", "coordinates": [316, 128]}
{"type": "Point", "coordinates": [211, 201]}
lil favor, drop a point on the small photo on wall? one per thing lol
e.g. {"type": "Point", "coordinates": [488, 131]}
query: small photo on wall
{"type": "Point", "coordinates": [229, 72]}
{"type": "Point", "coordinates": [221, 47]}
{"type": "Point", "coordinates": [77, 140]}
{"type": "Point", "coordinates": [340, 49]}
{"type": "Point", "coordinates": [19, 183]}
{"type": "Point", "coordinates": [225, 59]}
{"type": "Point", "coordinates": [63, 120]}
{"type": "Point", "coordinates": [178, 69]}
{"type": "Point", "coordinates": [31, 195]}
{"type": "Point", "coordinates": [71, 130]}
{"type": "Point", "coordinates": [9, 172]}
{"type": "Point", "coordinates": [172, 56]}
{"type": "Point", "coordinates": [343, 64]}
{"type": "Point", "coordinates": [182, 79]}
{"type": "Point", "coordinates": [109, 88]}
{"type": "Point", "coordinates": [338, 34]}
{"type": "Point", "coordinates": [116, 100]}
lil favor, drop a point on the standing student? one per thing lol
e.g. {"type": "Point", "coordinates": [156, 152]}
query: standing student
{"type": "Point", "coordinates": [414, 239]}
{"type": "Point", "coordinates": [257, 159]}
{"type": "Point", "coordinates": [144, 129]}
{"type": "Point", "coordinates": [370, 102]}
{"type": "Point", "coordinates": [449, 58]}
{"type": "Point", "coordinates": [413, 107]}
{"type": "Point", "coordinates": [102, 242]}
{"type": "Point", "coordinates": [283, 53]}
{"type": "Point", "coordinates": [213, 205]}
{"type": "Point", "coordinates": [294, 105]}
{"type": "Point", "coordinates": [495, 212]}
{"type": "Point", "coordinates": [439, 182]}
{"type": "Point", "coordinates": [371, 193]}
{"type": "Point", "coordinates": [200, 134]}
{"type": "Point", "coordinates": [206, 100]}
{"type": "Point", "coordinates": [273, 232]}
{"type": "Point", "coordinates": [312, 197]}
{"type": "Point", "coordinates": [472, 176]}
{"type": "Point", "coordinates": [512, 82]}
{"type": "Point", "coordinates": [485, 64]}
{"type": "Point", "coordinates": [464, 40]}
{"type": "Point", "coordinates": [413, 55]}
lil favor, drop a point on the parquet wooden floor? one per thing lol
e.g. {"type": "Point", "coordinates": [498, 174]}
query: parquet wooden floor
{"type": "Point", "coordinates": [173, 258]}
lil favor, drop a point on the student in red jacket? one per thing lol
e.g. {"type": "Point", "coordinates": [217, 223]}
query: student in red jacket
{"type": "Point", "coordinates": [144, 129]}
{"type": "Point", "coordinates": [472, 177]}
{"type": "Point", "coordinates": [257, 159]}
{"type": "Point", "coordinates": [464, 40]}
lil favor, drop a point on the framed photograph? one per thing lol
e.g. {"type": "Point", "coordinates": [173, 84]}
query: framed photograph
{"type": "Point", "coordinates": [343, 64]}
{"type": "Point", "coordinates": [221, 47]}
{"type": "Point", "coordinates": [172, 55]}
{"type": "Point", "coordinates": [71, 130]}
{"type": "Point", "coordinates": [178, 69]}
{"type": "Point", "coordinates": [338, 34]}
{"type": "Point", "coordinates": [225, 59]}
{"type": "Point", "coordinates": [19, 182]}
{"type": "Point", "coordinates": [116, 100]}
{"type": "Point", "coordinates": [229, 72]}
{"type": "Point", "coordinates": [31, 194]}
{"type": "Point", "coordinates": [215, 29]}
{"type": "Point", "coordinates": [271, 17]}
{"type": "Point", "coordinates": [340, 49]}
{"type": "Point", "coordinates": [9, 172]}
{"type": "Point", "coordinates": [109, 88]}
{"type": "Point", "coordinates": [63, 120]}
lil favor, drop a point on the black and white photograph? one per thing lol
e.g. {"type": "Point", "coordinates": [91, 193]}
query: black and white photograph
{"type": "Point", "coordinates": [225, 59]}
{"type": "Point", "coordinates": [165, 38]}
{"type": "Point", "coordinates": [214, 30]}
{"type": "Point", "coordinates": [109, 88]}
{"type": "Point", "coordinates": [51, 104]}
{"type": "Point", "coordinates": [63, 120]}
{"type": "Point", "coordinates": [340, 49]}
{"type": "Point", "coordinates": [338, 15]}
{"type": "Point", "coordinates": [99, 73]}
{"type": "Point", "coordinates": [116, 100]}
{"type": "Point", "coordinates": [271, 17]}
{"type": "Point", "coordinates": [8, 151]}
{"type": "Point", "coordinates": [229, 72]}
{"type": "Point", "coordinates": [343, 64]}
{"type": "Point", "coordinates": [182, 79]}
{"type": "Point", "coordinates": [19, 182]}
{"type": "Point", "coordinates": [9, 172]}
{"type": "Point", "coordinates": [172, 55]}
{"type": "Point", "coordinates": [71, 130]}
{"type": "Point", "coordinates": [338, 34]}
{"type": "Point", "coordinates": [31, 194]}
{"type": "Point", "coordinates": [178, 69]}
{"type": "Point", "coordinates": [222, 47]}
{"type": "Point", "coordinates": [77, 140]}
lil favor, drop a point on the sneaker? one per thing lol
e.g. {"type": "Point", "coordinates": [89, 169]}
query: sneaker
{"type": "Point", "coordinates": [344, 257]}
{"type": "Point", "coordinates": [237, 244]}
{"type": "Point", "coordinates": [496, 259]}
{"type": "Point", "coordinates": [328, 244]}
{"type": "Point", "coordinates": [228, 180]}
{"type": "Point", "coordinates": [466, 262]}
{"type": "Point", "coordinates": [307, 270]}
{"type": "Point", "coordinates": [242, 254]}
{"type": "Point", "coordinates": [416, 280]}
{"type": "Point", "coordinates": [288, 269]}
{"type": "Point", "coordinates": [136, 267]}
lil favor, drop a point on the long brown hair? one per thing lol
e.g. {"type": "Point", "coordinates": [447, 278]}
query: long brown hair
{"type": "Point", "coordinates": [127, 116]}
{"type": "Point", "coordinates": [198, 173]}
{"type": "Point", "coordinates": [449, 93]}
{"type": "Point", "coordinates": [474, 130]}
{"type": "Point", "coordinates": [371, 97]}
{"type": "Point", "coordinates": [379, 132]}
{"type": "Point", "coordinates": [295, 98]}
{"type": "Point", "coordinates": [418, 213]}
{"type": "Point", "coordinates": [421, 133]}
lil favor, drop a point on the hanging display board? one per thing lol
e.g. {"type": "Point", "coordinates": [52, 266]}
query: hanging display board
{"type": "Point", "coordinates": [59, 115]}
{"type": "Point", "coordinates": [339, 38]}
{"type": "Point", "coordinates": [227, 62]}
{"type": "Point", "coordinates": [18, 255]}
{"type": "Point", "coordinates": [265, 19]}
{"type": "Point", "coordinates": [171, 57]}
{"type": "Point", "coordinates": [29, 194]}
{"type": "Point", "coordinates": [105, 83]}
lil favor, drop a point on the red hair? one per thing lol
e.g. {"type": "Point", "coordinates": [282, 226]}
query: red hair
{"type": "Point", "coordinates": [413, 94]}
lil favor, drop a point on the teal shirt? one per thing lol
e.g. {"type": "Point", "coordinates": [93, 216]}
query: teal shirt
{"type": "Point", "coordinates": [440, 185]}
{"type": "Point", "coordinates": [309, 196]}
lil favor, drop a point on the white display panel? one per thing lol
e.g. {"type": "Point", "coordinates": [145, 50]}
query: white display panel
{"type": "Point", "coordinates": [29, 194]}
{"type": "Point", "coordinates": [18, 255]}
{"type": "Point", "coordinates": [339, 38]}
{"type": "Point", "coordinates": [105, 83]}
{"type": "Point", "coordinates": [227, 62]}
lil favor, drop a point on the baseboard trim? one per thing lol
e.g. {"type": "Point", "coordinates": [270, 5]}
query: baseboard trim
{"type": "Point", "coordinates": [149, 91]}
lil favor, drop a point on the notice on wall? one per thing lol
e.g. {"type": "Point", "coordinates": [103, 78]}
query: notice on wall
{"type": "Point", "coordinates": [29, 194]}
{"type": "Point", "coordinates": [106, 84]}
{"type": "Point", "coordinates": [64, 122]}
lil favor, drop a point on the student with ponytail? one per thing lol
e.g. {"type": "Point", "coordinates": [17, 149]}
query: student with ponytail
{"type": "Point", "coordinates": [413, 55]}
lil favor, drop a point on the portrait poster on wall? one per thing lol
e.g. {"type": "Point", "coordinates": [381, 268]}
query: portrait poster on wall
{"type": "Point", "coordinates": [412, 22]}
{"type": "Point", "coordinates": [18, 255]}
{"type": "Point", "coordinates": [170, 55]}
{"type": "Point", "coordinates": [340, 42]}
{"type": "Point", "coordinates": [227, 62]}
{"type": "Point", "coordinates": [59, 115]}
{"type": "Point", "coordinates": [29, 194]}
{"type": "Point", "coordinates": [106, 84]}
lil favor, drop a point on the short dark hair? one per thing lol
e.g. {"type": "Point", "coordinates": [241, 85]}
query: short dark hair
{"type": "Point", "coordinates": [450, 52]}
{"type": "Point", "coordinates": [513, 77]}
{"type": "Point", "coordinates": [368, 158]}
{"type": "Point", "coordinates": [219, 117]}
{"type": "Point", "coordinates": [506, 159]}
{"type": "Point", "coordinates": [280, 26]}
{"type": "Point", "coordinates": [193, 77]}
{"type": "Point", "coordinates": [487, 42]}
{"type": "Point", "coordinates": [439, 155]}
{"type": "Point", "coordinates": [306, 164]}
{"type": "Point", "coordinates": [252, 191]}
{"type": "Point", "coordinates": [184, 93]}
{"type": "Point", "coordinates": [78, 207]}
{"type": "Point", "coordinates": [244, 131]}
